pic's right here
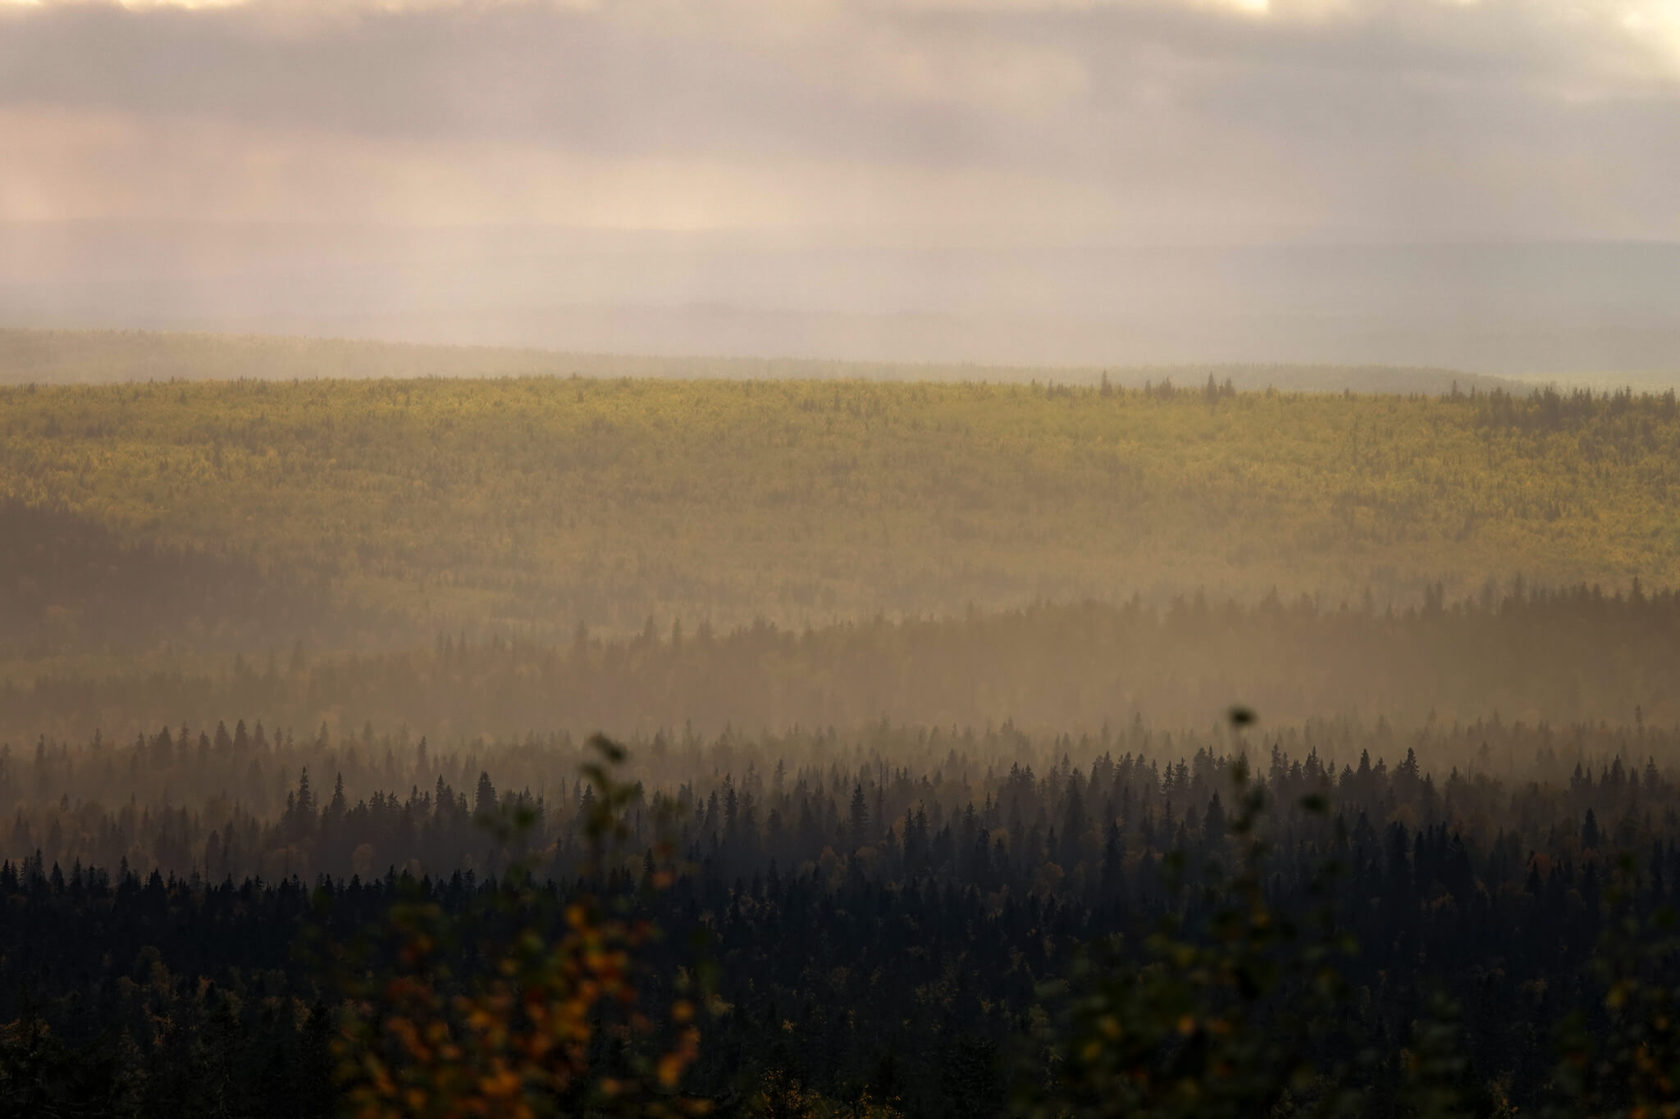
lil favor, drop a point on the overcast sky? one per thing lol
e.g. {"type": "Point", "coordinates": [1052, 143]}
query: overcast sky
{"type": "Point", "coordinates": [1021, 121]}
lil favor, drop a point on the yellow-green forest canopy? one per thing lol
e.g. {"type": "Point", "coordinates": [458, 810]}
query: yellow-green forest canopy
{"type": "Point", "coordinates": [529, 506]}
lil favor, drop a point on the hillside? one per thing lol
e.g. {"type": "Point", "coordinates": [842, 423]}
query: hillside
{"type": "Point", "coordinates": [532, 506]}
{"type": "Point", "coordinates": [68, 584]}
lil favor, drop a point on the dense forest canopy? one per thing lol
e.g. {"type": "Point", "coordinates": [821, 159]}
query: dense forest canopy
{"type": "Point", "coordinates": [899, 922]}
{"type": "Point", "coordinates": [527, 507]}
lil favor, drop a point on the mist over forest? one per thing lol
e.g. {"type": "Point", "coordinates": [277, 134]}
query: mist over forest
{"type": "Point", "coordinates": [859, 559]}
{"type": "Point", "coordinates": [313, 643]}
{"type": "Point", "coordinates": [1519, 308]}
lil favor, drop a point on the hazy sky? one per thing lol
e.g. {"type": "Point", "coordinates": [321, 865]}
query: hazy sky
{"type": "Point", "coordinates": [1031, 121]}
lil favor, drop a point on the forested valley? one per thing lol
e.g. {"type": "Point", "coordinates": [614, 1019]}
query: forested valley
{"type": "Point", "coordinates": [571, 746]}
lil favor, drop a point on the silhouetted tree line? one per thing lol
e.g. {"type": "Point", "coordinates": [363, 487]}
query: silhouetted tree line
{"type": "Point", "coordinates": [886, 920]}
{"type": "Point", "coordinates": [1634, 416]}
{"type": "Point", "coordinates": [247, 802]}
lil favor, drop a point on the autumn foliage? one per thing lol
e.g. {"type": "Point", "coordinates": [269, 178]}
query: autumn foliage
{"type": "Point", "coordinates": [553, 1024]}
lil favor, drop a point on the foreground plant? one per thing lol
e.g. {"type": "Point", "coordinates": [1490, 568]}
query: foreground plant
{"type": "Point", "coordinates": [554, 1025]}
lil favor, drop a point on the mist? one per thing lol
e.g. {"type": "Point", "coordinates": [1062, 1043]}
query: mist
{"type": "Point", "coordinates": [1545, 310]}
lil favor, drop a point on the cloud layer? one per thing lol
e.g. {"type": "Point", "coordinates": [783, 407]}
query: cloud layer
{"type": "Point", "coordinates": [1223, 120]}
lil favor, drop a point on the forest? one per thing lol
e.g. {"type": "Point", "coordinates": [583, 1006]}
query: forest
{"type": "Point", "coordinates": [1515, 652]}
{"type": "Point", "coordinates": [526, 507]}
{"type": "Point", "coordinates": [810, 745]}
{"type": "Point", "coordinates": [899, 922]}
{"type": "Point", "coordinates": [839, 559]}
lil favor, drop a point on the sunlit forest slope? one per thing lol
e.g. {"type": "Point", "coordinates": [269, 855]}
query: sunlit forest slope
{"type": "Point", "coordinates": [528, 507]}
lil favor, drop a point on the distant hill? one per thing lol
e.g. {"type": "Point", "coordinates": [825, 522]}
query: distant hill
{"type": "Point", "coordinates": [56, 357]}
{"type": "Point", "coordinates": [532, 505]}
{"type": "Point", "coordinates": [1507, 309]}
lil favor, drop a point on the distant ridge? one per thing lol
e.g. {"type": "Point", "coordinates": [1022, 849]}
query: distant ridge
{"type": "Point", "coordinates": [1511, 309]}
{"type": "Point", "coordinates": [123, 356]}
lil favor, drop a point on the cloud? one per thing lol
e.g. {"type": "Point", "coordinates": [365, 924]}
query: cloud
{"type": "Point", "coordinates": [1179, 119]}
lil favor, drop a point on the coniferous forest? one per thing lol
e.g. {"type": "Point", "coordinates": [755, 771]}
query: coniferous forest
{"type": "Point", "coordinates": [566, 746]}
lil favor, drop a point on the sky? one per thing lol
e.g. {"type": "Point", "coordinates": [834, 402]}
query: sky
{"type": "Point", "coordinates": [808, 127]}
{"type": "Point", "coordinates": [1172, 121]}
